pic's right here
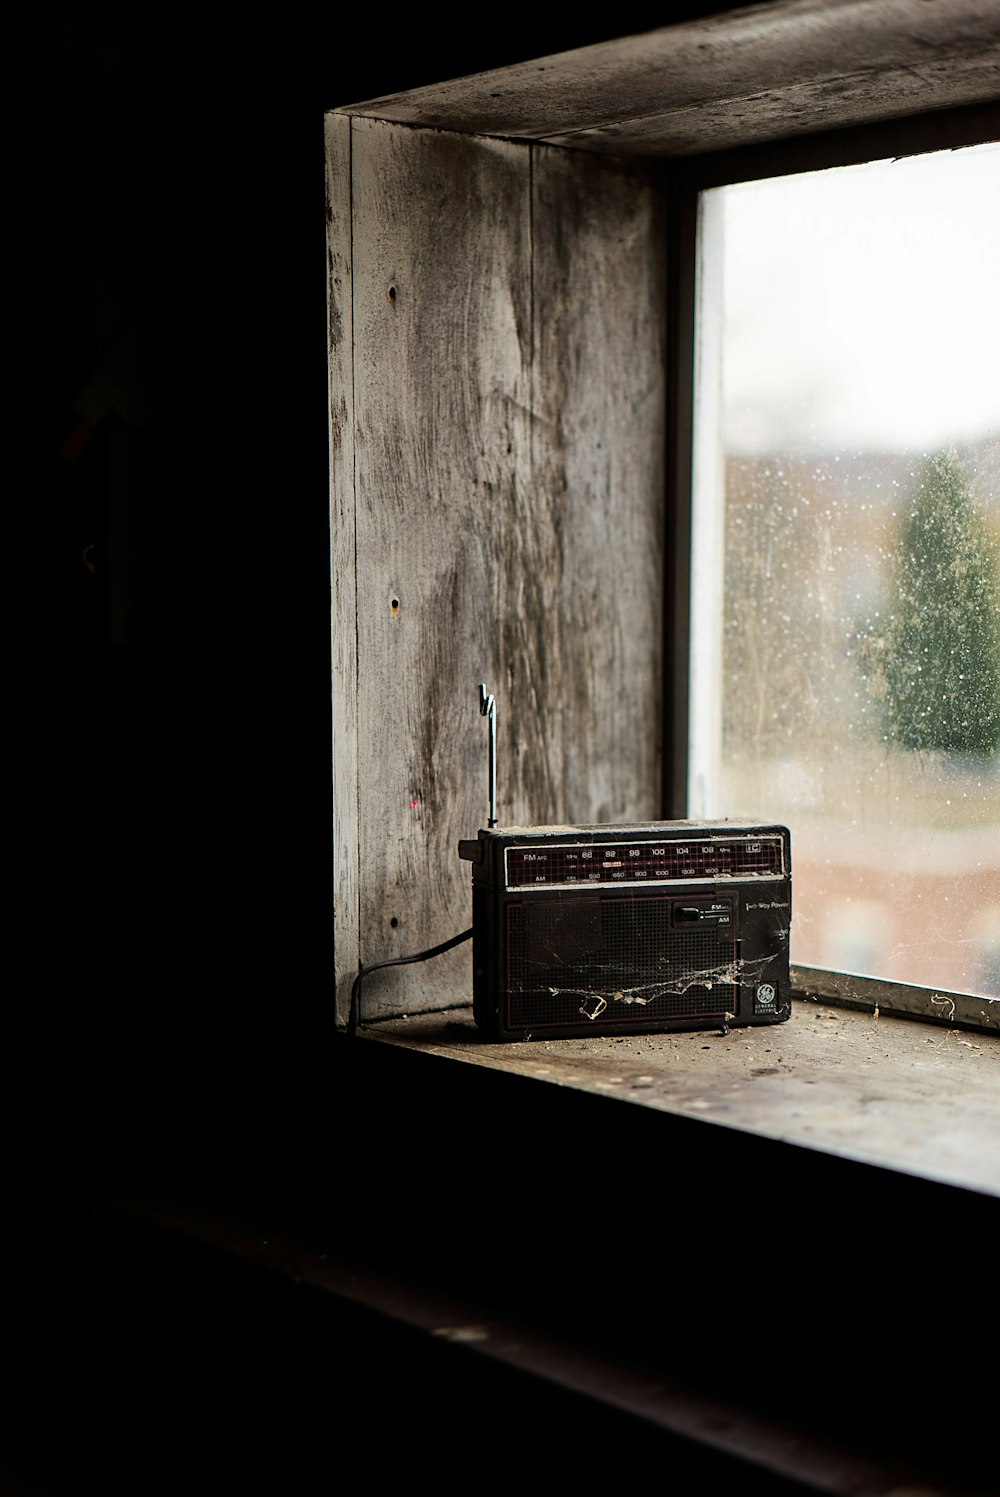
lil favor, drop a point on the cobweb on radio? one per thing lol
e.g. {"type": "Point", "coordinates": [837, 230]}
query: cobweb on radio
{"type": "Point", "coordinates": [728, 974]}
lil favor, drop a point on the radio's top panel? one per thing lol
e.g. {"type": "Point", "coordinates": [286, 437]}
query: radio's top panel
{"type": "Point", "coordinates": [613, 861]}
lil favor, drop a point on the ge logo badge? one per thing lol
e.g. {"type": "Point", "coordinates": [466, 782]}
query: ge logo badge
{"type": "Point", "coordinates": [765, 999]}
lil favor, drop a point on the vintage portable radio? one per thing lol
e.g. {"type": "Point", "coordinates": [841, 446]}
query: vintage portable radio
{"type": "Point", "coordinates": [662, 925]}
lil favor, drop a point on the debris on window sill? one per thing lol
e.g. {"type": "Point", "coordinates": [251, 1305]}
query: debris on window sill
{"type": "Point", "coordinates": [918, 1098]}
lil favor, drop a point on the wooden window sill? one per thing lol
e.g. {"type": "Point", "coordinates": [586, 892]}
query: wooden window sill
{"type": "Point", "coordinates": [911, 1096]}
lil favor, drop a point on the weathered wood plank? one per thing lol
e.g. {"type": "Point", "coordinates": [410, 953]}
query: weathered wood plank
{"type": "Point", "coordinates": [753, 73]}
{"type": "Point", "coordinates": [442, 287]}
{"type": "Point", "coordinates": [598, 392]}
{"type": "Point", "coordinates": [509, 331]}
{"type": "Point", "coordinates": [918, 1098]}
{"type": "Point", "coordinates": [342, 555]}
{"type": "Point", "coordinates": [863, 96]}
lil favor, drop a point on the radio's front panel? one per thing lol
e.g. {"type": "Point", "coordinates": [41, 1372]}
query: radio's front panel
{"type": "Point", "coordinates": [612, 930]}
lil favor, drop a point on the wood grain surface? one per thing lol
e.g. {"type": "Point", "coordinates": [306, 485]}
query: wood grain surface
{"type": "Point", "coordinates": [508, 332]}
{"type": "Point", "coordinates": [911, 1096]}
{"type": "Point", "coordinates": [344, 667]}
{"type": "Point", "coordinates": [753, 73]}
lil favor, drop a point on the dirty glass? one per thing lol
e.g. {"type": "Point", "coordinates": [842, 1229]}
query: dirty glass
{"type": "Point", "coordinates": [845, 623]}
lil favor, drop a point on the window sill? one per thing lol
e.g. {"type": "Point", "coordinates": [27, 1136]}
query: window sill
{"type": "Point", "coordinates": [912, 1097]}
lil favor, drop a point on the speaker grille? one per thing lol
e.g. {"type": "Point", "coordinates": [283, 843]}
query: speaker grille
{"type": "Point", "coordinates": [614, 958]}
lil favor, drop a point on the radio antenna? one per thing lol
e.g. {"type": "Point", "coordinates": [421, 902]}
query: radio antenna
{"type": "Point", "coordinates": [488, 708]}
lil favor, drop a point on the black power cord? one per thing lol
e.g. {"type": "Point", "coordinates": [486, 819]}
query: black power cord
{"type": "Point", "coordinates": [354, 1017]}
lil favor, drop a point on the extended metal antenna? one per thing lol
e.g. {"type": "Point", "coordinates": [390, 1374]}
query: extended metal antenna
{"type": "Point", "coordinates": [488, 708]}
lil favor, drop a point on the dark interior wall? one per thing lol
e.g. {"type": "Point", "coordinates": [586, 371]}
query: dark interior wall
{"type": "Point", "coordinates": [167, 830]}
{"type": "Point", "coordinates": [168, 824]}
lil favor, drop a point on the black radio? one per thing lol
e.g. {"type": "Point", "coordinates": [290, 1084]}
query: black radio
{"type": "Point", "coordinates": [662, 925]}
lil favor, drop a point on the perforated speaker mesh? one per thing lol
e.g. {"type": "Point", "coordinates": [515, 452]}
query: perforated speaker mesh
{"type": "Point", "coordinates": [615, 958]}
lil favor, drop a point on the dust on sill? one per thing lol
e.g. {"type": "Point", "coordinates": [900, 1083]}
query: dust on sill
{"type": "Point", "coordinates": [912, 1096]}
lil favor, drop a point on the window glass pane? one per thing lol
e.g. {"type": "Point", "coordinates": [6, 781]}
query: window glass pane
{"type": "Point", "coordinates": [846, 573]}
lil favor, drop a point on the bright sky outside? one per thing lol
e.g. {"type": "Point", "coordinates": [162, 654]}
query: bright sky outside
{"type": "Point", "coordinates": [863, 306]}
